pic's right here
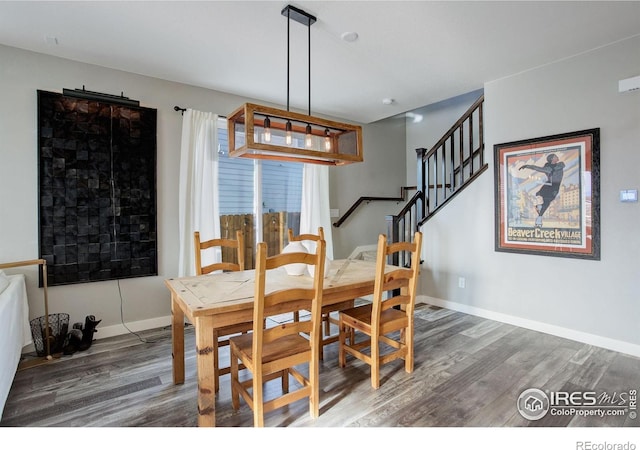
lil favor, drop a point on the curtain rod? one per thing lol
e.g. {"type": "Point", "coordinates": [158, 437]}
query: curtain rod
{"type": "Point", "coordinates": [182, 110]}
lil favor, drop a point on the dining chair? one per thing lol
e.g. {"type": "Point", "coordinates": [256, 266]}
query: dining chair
{"type": "Point", "coordinates": [237, 246]}
{"type": "Point", "coordinates": [306, 237]}
{"type": "Point", "coordinates": [301, 238]}
{"type": "Point", "coordinates": [220, 335]}
{"type": "Point", "coordinates": [327, 319]}
{"type": "Point", "coordinates": [386, 323]}
{"type": "Point", "coordinates": [276, 352]}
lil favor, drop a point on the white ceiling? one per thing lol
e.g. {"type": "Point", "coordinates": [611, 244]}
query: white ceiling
{"type": "Point", "coordinates": [416, 52]}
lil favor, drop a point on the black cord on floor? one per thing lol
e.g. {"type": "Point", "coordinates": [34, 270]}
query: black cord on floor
{"type": "Point", "coordinates": [140, 338]}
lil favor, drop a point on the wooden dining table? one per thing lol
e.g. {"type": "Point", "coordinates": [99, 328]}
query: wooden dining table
{"type": "Point", "coordinates": [220, 299]}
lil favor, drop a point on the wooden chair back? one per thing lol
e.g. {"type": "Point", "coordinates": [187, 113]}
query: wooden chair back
{"type": "Point", "coordinates": [391, 311]}
{"type": "Point", "coordinates": [307, 237]}
{"type": "Point", "coordinates": [284, 301]}
{"type": "Point", "coordinates": [272, 352]}
{"type": "Point", "coordinates": [220, 334]}
{"type": "Point", "coordinates": [326, 337]}
{"type": "Point", "coordinates": [202, 246]}
{"type": "Point", "coordinates": [401, 283]}
{"type": "Point", "coordinates": [301, 238]}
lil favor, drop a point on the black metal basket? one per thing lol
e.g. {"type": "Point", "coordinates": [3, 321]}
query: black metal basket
{"type": "Point", "coordinates": [58, 328]}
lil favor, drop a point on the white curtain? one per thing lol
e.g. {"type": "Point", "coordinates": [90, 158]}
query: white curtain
{"type": "Point", "coordinates": [257, 200]}
{"type": "Point", "coordinates": [315, 209]}
{"type": "Point", "coordinates": [198, 201]}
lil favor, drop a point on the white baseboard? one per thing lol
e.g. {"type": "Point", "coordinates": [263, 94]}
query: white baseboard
{"type": "Point", "coordinates": [567, 333]}
{"type": "Point", "coordinates": [141, 325]}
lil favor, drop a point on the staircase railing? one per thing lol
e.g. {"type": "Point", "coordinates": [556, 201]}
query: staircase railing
{"type": "Point", "coordinates": [368, 199]}
{"type": "Point", "coordinates": [402, 226]}
{"type": "Point", "coordinates": [443, 171]}
{"type": "Point", "coordinates": [454, 162]}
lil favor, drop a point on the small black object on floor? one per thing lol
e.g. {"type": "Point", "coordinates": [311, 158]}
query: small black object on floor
{"type": "Point", "coordinates": [80, 338]}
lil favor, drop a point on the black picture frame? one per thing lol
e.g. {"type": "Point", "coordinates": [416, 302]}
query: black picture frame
{"type": "Point", "coordinates": [96, 189]}
{"type": "Point", "coordinates": [547, 195]}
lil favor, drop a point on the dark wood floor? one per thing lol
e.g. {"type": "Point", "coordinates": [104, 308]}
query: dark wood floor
{"type": "Point", "coordinates": [469, 372]}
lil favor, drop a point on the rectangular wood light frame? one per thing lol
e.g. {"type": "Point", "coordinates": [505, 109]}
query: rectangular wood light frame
{"type": "Point", "coordinates": [260, 132]}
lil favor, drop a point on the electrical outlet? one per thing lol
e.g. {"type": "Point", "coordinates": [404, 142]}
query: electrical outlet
{"type": "Point", "coordinates": [461, 282]}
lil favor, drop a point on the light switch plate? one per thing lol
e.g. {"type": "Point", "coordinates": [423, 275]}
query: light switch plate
{"type": "Point", "coordinates": [629, 195]}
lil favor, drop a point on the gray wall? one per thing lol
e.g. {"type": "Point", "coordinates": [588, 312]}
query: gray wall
{"type": "Point", "coordinates": [590, 301]}
{"type": "Point", "coordinates": [145, 301]}
{"type": "Point", "coordinates": [382, 175]}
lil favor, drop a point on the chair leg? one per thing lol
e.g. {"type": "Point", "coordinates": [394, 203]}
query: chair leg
{"type": "Point", "coordinates": [314, 396]}
{"type": "Point", "coordinates": [375, 362]}
{"type": "Point", "coordinates": [258, 404]}
{"type": "Point", "coordinates": [285, 381]}
{"type": "Point", "coordinates": [321, 348]}
{"type": "Point", "coordinates": [408, 341]}
{"type": "Point", "coordinates": [326, 321]}
{"type": "Point", "coordinates": [216, 362]}
{"type": "Point", "coordinates": [235, 396]}
{"type": "Point", "coordinates": [342, 329]}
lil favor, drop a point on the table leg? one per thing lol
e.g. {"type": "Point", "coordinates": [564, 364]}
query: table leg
{"type": "Point", "coordinates": [177, 341]}
{"type": "Point", "coordinates": [206, 378]}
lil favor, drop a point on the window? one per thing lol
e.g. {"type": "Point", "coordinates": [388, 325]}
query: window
{"type": "Point", "coordinates": [277, 185]}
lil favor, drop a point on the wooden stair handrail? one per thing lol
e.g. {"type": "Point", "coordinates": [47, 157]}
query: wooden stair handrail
{"type": "Point", "coordinates": [410, 204]}
{"type": "Point", "coordinates": [357, 203]}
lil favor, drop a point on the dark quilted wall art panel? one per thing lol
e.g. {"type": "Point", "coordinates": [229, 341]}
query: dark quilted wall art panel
{"type": "Point", "coordinates": [97, 189]}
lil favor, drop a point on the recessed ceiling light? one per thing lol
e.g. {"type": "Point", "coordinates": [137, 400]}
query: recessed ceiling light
{"type": "Point", "coordinates": [417, 118]}
{"type": "Point", "coordinates": [349, 36]}
{"type": "Point", "coordinates": [388, 101]}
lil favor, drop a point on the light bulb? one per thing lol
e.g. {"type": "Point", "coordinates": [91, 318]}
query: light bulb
{"type": "Point", "coordinates": [288, 138]}
{"type": "Point", "coordinates": [267, 130]}
{"type": "Point", "coordinates": [307, 138]}
{"type": "Point", "coordinates": [327, 139]}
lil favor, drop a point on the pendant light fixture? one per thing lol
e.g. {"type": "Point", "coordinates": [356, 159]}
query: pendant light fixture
{"type": "Point", "coordinates": [263, 132]}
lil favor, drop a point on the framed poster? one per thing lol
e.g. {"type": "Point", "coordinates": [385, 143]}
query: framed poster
{"type": "Point", "coordinates": [547, 195]}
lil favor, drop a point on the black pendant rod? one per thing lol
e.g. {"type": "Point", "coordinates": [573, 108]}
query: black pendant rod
{"type": "Point", "coordinates": [288, 41]}
{"type": "Point", "coordinates": [309, 56]}
{"type": "Point", "coordinates": [303, 18]}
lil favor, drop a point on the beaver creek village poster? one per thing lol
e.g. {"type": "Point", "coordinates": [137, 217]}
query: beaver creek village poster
{"type": "Point", "coordinates": [547, 195]}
